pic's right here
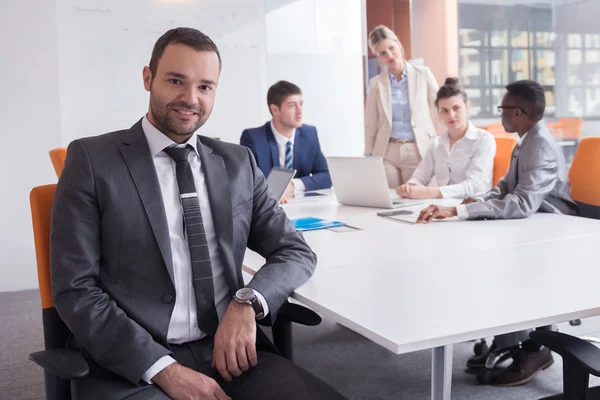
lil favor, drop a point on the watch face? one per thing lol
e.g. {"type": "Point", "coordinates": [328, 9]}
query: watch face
{"type": "Point", "coordinates": [245, 294]}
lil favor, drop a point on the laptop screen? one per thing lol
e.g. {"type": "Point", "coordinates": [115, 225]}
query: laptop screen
{"type": "Point", "coordinates": [279, 179]}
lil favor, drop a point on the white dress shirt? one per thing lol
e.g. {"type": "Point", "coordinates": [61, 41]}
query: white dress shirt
{"type": "Point", "coordinates": [461, 210]}
{"type": "Point", "coordinates": [281, 144]}
{"type": "Point", "coordinates": [183, 326]}
{"type": "Point", "coordinates": [465, 170]}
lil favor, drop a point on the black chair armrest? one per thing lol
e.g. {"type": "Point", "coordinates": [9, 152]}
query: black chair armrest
{"type": "Point", "coordinates": [291, 312]}
{"type": "Point", "coordinates": [64, 363]}
{"type": "Point", "coordinates": [584, 353]}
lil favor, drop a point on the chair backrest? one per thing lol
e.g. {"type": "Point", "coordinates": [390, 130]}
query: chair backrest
{"type": "Point", "coordinates": [57, 156]}
{"type": "Point", "coordinates": [56, 332]}
{"type": "Point", "coordinates": [585, 177]}
{"type": "Point", "coordinates": [497, 129]}
{"type": "Point", "coordinates": [504, 148]}
{"type": "Point", "coordinates": [570, 128]}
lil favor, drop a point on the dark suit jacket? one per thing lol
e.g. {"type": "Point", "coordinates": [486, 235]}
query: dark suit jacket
{"type": "Point", "coordinates": [308, 161]}
{"type": "Point", "coordinates": [111, 265]}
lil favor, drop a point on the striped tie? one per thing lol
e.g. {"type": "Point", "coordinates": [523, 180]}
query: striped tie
{"type": "Point", "coordinates": [288, 154]}
{"type": "Point", "coordinates": [202, 277]}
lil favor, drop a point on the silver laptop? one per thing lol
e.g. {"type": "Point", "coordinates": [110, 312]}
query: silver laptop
{"type": "Point", "coordinates": [279, 179]}
{"type": "Point", "coordinates": [361, 181]}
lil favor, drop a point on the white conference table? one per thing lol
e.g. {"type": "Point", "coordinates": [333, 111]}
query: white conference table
{"type": "Point", "coordinates": [411, 287]}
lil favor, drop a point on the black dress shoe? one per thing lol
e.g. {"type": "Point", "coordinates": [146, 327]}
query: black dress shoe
{"type": "Point", "coordinates": [478, 361]}
{"type": "Point", "coordinates": [526, 365]}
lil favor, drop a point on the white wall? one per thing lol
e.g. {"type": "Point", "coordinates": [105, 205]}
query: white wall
{"type": "Point", "coordinates": [30, 126]}
{"type": "Point", "coordinates": [72, 68]}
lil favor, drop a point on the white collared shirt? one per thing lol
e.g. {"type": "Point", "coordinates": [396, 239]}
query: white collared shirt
{"type": "Point", "coordinates": [465, 170]}
{"type": "Point", "coordinates": [281, 145]}
{"type": "Point", "coordinates": [183, 326]}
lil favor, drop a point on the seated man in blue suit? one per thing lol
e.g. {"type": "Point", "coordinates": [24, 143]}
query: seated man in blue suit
{"type": "Point", "coordinates": [286, 142]}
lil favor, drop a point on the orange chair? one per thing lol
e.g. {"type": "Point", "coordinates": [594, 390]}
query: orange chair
{"type": "Point", "coordinates": [497, 129]}
{"type": "Point", "coordinates": [57, 156]}
{"type": "Point", "coordinates": [570, 128]}
{"type": "Point", "coordinates": [60, 364]}
{"type": "Point", "coordinates": [585, 177]}
{"type": "Point", "coordinates": [567, 132]}
{"type": "Point", "coordinates": [504, 148]}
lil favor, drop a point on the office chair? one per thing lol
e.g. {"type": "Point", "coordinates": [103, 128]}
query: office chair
{"type": "Point", "coordinates": [580, 358]}
{"type": "Point", "coordinates": [57, 156]}
{"type": "Point", "coordinates": [504, 148]}
{"type": "Point", "coordinates": [584, 176]}
{"type": "Point", "coordinates": [60, 364]}
{"type": "Point", "coordinates": [497, 130]}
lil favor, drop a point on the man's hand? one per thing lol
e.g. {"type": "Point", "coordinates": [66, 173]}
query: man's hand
{"type": "Point", "coordinates": [437, 212]}
{"type": "Point", "coordinates": [235, 341]}
{"type": "Point", "coordinates": [181, 383]}
{"type": "Point", "coordinates": [290, 188]}
{"type": "Point", "coordinates": [469, 200]}
{"type": "Point", "coordinates": [284, 200]}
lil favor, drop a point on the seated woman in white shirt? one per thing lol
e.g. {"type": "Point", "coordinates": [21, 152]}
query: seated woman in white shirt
{"type": "Point", "coordinates": [461, 158]}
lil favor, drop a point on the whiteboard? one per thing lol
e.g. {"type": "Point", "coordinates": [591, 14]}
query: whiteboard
{"type": "Point", "coordinates": [104, 45]}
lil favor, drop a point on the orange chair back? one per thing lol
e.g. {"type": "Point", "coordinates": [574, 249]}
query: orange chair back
{"type": "Point", "coordinates": [569, 128]}
{"type": "Point", "coordinates": [497, 129]}
{"type": "Point", "coordinates": [585, 172]}
{"type": "Point", "coordinates": [504, 148]}
{"type": "Point", "coordinates": [41, 198]}
{"type": "Point", "coordinates": [57, 156]}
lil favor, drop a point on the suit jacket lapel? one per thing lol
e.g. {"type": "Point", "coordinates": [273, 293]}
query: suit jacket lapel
{"type": "Point", "coordinates": [297, 160]}
{"type": "Point", "coordinates": [219, 196]}
{"type": "Point", "coordinates": [141, 167]}
{"type": "Point", "coordinates": [385, 94]}
{"type": "Point", "coordinates": [413, 78]}
{"type": "Point", "coordinates": [272, 145]}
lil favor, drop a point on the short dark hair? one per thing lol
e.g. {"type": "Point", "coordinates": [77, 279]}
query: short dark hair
{"type": "Point", "coordinates": [189, 36]}
{"type": "Point", "coordinates": [451, 88]}
{"type": "Point", "coordinates": [280, 91]}
{"type": "Point", "coordinates": [532, 93]}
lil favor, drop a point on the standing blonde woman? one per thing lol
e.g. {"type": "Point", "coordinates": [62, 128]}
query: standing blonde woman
{"type": "Point", "coordinates": [400, 115]}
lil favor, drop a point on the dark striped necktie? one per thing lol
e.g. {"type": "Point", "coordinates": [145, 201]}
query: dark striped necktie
{"type": "Point", "coordinates": [288, 154]}
{"type": "Point", "coordinates": [202, 276]}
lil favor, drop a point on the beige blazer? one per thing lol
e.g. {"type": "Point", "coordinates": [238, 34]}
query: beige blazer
{"type": "Point", "coordinates": [422, 91]}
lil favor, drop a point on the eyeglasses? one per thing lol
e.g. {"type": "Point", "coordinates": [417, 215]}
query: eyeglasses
{"type": "Point", "coordinates": [500, 108]}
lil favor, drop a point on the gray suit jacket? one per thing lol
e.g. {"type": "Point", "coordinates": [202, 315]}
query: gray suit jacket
{"type": "Point", "coordinates": [537, 180]}
{"type": "Point", "coordinates": [111, 264]}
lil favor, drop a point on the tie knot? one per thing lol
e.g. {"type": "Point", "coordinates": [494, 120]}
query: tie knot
{"type": "Point", "coordinates": [178, 153]}
{"type": "Point", "coordinates": [288, 145]}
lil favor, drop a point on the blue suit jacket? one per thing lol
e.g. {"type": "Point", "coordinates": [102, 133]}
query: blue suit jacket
{"type": "Point", "coordinates": [308, 161]}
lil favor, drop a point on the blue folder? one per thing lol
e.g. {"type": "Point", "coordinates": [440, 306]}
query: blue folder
{"type": "Point", "coordinates": [311, 224]}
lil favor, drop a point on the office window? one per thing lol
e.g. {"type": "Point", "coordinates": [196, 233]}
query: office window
{"type": "Point", "coordinates": [494, 52]}
{"type": "Point", "coordinates": [550, 42]}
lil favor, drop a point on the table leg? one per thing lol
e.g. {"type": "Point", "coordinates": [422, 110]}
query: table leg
{"type": "Point", "coordinates": [441, 372]}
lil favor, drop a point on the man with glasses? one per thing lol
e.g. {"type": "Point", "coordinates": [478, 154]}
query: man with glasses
{"type": "Point", "coordinates": [537, 180]}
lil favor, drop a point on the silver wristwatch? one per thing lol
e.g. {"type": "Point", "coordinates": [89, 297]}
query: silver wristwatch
{"type": "Point", "coordinates": [247, 296]}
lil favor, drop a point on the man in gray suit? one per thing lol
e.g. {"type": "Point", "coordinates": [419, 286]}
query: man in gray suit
{"type": "Point", "coordinates": [149, 229]}
{"type": "Point", "coordinates": [537, 180]}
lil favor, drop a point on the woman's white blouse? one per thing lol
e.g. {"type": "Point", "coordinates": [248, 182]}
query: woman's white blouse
{"type": "Point", "coordinates": [464, 171]}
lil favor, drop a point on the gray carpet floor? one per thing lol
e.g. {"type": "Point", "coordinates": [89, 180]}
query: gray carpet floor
{"type": "Point", "coordinates": [355, 366]}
